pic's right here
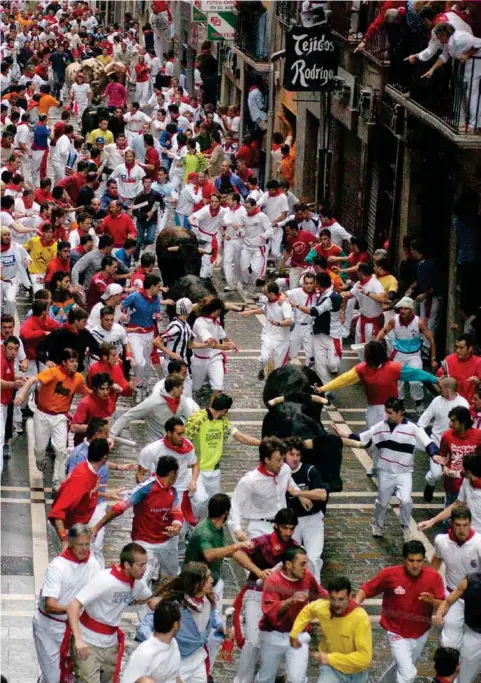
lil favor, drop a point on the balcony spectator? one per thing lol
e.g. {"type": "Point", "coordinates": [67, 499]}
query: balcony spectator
{"type": "Point", "coordinates": [257, 107]}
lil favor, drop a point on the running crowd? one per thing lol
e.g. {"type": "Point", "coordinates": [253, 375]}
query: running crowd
{"type": "Point", "coordinates": [103, 153]}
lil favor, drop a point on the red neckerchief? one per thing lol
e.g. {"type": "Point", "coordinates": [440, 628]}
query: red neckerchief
{"type": "Point", "coordinates": [365, 280]}
{"type": "Point", "coordinates": [277, 194]}
{"type": "Point", "coordinates": [216, 321]}
{"type": "Point", "coordinates": [214, 212]}
{"type": "Point", "coordinates": [44, 243]}
{"type": "Point", "coordinates": [129, 167]}
{"type": "Point", "coordinates": [5, 247]}
{"type": "Point", "coordinates": [253, 87]}
{"type": "Point", "coordinates": [350, 608]}
{"type": "Point", "coordinates": [408, 321]}
{"type": "Point", "coordinates": [328, 221]}
{"type": "Point", "coordinates": [185, 446]}
{"type": "Point", "coordinates": [276, 299]}
{"type": "Point", "coordinates": [28, 201]}
{"type": "Point", "coordinates": [476, 484]}
{"type": "Point", "coordinates": [4, 143]}
{"type": "Point", "coordinates": [452, 538]}
{"type": "Point", "coordinates": [68, 555]}
{"type": "Point", "coordinates": [119, 574]}
{"type": "Point", "coordinates": [173, 403]}
{"type": "Point", "coordinates": [150, 299]}
{"type": "Point", "coordinates": [277, 545]}
{"type": "Point", "coordinates": [263, 470]}
{"type": "Point", "coordinates": [70, 328]}
{"type": "Point", "coordinates": [309, 297]}
{"type": "Point", "coordinates": [11, 186]}
{"type": "Point", "coordinates": [442, 679]}
{"type": "Point", "coordinates": [256, 211]}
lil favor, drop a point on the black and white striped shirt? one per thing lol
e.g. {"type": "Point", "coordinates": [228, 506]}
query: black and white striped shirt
{"type": "Point", "coordinates": [177, 337]}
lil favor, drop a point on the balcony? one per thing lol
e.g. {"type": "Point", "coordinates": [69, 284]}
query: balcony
{"type": "Point", "coordinates": [350, 21]}
{"type": "Point", "coordinates": [251, 33]}
{"type": "Point", "coordinates": [287, 12]}
{"type": "Point", "coordinates": [449, 101]}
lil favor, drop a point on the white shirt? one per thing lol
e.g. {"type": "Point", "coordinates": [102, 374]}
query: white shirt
{"type": "Point", "coordinates": [459, 560]}
{"type": "Point", "coordinates": [302, 298]}
{"type": "Point", "coordinates": [105, 598]}
{"type": "Point", "coordinates": [204, 329]}
{"type": "Point", "coordinates": [94, 317]}
{"type": "Point", "coordinates": [367, 306]}
{"type": "Point", "coordinates": [338, 233]}
{"type": "Point", "coordinates": [64, 578]}
{"type": "Point", "coordinates": [115, 155]}
{"type": "Point", "coordinates": [232, 221]}
{"type": "Point", "coordinates": [149, 457]}
{"type": "Point", "coordinates": [129, 180]}
{"type": "Point", "coordinates": [437, 413]}
{"type": "Point", "coordinates": [207, 224]}
{"type": "Point", "coordinates": [74, 237]}
{"type": "Point", "coordinates": [23, 135]}
{"type": "Point", "coordinates": [435, 45]}
{"type": "Point", "coordinates": [258, 496]}
{"type": "Point", "coordinates": [472, 498]}
{"type": "Point", "coordinates": [116, 336]}
{"type": "Point", "coordinates": [61, 150]}
{"type": "Point", "coordinates": [396, 446]}
{"type": "Point", "coordinates": [458, 44]}
{"type": "Point", "coordinates": [274, 207]}
{"type": "Point", "coordinates": [256, 230]}
{"type": "Point", "coordinates": [155, 659]}
{"type": "Point", "coordinates": [135, 122]}
{"type": "Point", "coordinates": [79, 92]}
{"type": "Point", "coordinates": [277, 312]}
{"type": "Point", "coordinates": [189, 196]}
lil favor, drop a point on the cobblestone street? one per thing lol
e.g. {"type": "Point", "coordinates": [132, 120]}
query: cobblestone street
{"type": "Point", "coordinates": [349, 548]}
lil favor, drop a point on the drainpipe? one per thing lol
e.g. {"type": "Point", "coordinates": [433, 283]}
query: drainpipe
{"type": "Point", "coordinates": [271, 104]}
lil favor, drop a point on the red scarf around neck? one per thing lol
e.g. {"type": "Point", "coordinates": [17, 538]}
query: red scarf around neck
{"type": "Point", "coordinates": [453, 538]}
{"type": "Point", "coordinates": [149, 298]}
{"type": "Point", "coordinates": [406, 323]}
{"type": "Point", "coordinates": [476, 484]}
{"type": "Point", "coordinates": [263, 470]}
{"type": "Point", "coordinates": [68, 555]}
{"type": "Point", "coordinates": [173, 404]}
{"type": "Point", "coordinates": [121, 575]}
{"type": "Point", "coordinates": [309, 297]}
{"type": "Point", "coordinates": [214, 212]}
{"type": "Point", "coordinates": [350, 608]}
{"type": "Point", "coordinates": [5, 247]}
{"type": "Point", "coordinates": [185, 446]}
{"type": "Point", "coordinates": [44, 242]}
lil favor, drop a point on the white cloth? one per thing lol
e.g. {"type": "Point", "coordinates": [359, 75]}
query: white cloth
{"type": "Point", "coordinates": [275, 650]}
{"type": "Point", "coordinates": [309, 533]}
{"type": "Point", "coordinates": [386, 437]}
{"type": "Point", "coordinates": [162, 558]}
{"type": "Point", "coordinates": [437, 414]}
{"type": "Point", "coordinates": [129, 181]}
{"type": "Point", "coordinates": [141, 345]}
{"type": "Point", "coordinates": [51, 427]}
{"type": "Point", "coordinates": [472, 498]}
{"type": "Point", "coordinates": [405, 652]}
{"type": "Point", "coordinates": [160, 661]}
{"type": "Point", "coordinates": [193, 668]}
{"type": "Point", "coordinates": [259, 497]}
{"type": "Point", "coordinates": [149, 457]}
{"type": "Point", "coordinates": [326, 358]}
{"type": "Point", "coordinates": [116, 336]}
{"type": "Point", "coordinates": [470, 662]}
{"type": "Point", "coordinates": [399, 484]}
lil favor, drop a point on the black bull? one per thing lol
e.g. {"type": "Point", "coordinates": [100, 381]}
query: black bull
{"type": "Point", "coordinates": [185, 260]}
{"type": "Point", "coordinates": [299, 416]}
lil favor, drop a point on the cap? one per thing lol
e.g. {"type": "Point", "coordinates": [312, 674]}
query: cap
{"type": "Point", "coordinates": [406, 302]}
{"type": "Point", "coordinates": [183, 306]}
{"type": "Point", "coordinates": [111, 291]}
{"type": "Point", "coordinates": [100, 140]}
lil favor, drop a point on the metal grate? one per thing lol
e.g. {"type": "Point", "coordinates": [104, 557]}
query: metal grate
{"type": "Point", "coordinates": [17, 566]}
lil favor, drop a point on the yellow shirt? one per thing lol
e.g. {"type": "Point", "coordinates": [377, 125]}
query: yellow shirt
{"type": "Point", "coordinates": [346, 640]}
{"type": "Point", "coordinates": [40, 255]}
{"type": "Point", "coordinates": [389, 283]}
{"type": "Point", "coordinates": [107, 135]}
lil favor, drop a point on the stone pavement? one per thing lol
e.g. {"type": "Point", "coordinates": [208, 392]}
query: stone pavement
{"type": "Point", "coordinates": [349, 548]}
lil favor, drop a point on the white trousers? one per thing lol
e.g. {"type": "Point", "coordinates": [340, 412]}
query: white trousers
{"type": "Point", "coordinates": [432, 316]}
{"type": "Point", "coordinates": [470, 656]}
{"type": "Point", "coordinates": [275, 650]}
{"type": "Point", "coordinates": [274, 350]}
{"type": "Point", "coordinates": [38, 281]}
{"type": "Point", "coordinates": [346, 328]}
{"type": "Point", "coordinates": [58, 171]}
{"type": "Point", "coordinates": [275, 243]}
{"type": "Point", "coordinates": [37, 156]}
{"type": "Point", "coordinates": [141, 345]}
{"type": "Point", "coordinates": [211, 369]}
{"type": "Point", "coordinates": [435, 473]}
{"type": "Point", "coordinates": [161, 557]}
{"type": "Point", "coordinates": [47, 637]}
{"type": "Point", "coordinates": [301, 340]}
{"type": "Point", "coordinates": [3, 422]}
{"type": "Point", "coordinates": [405, 652]}
{"type": "Point", "coordinates": [98, 544]}
{"type": "Point", "coordinates": [232, 251]}
{"type": "Point", "coordinates": [368, 335]}
{"type": "Point", "coordinates": [9, 292]}
{"type": "Point", "coordinates": [374, 414]}
{"type": "Point", "coordinates": [192, 668]}
{"type": "Point", "coordinates": [412, 360]}
{"type": "Point", "coordinates": [452, 633]}
{"type": "Point", "coordinates": [472, 80]}
{"type": "Point", "coordinates": [142, 92]}
{"type": "Point", "coordinates": [252, 612]}
{"type": "Point", "coordinates": [211, 483]}
{"type": "Point", "coordinates": [399, 484]}
{"type": "Point", "coordinates": [258, 527]}
{"type": "Point", "coordinates": [326, 359]}
{"type": "Point", "coordinates": [294, 276]}
{"type": "Point", "coordinates": [255, 259]}
{"type": "Point", "coordinates": [54, 427]}
{"type": "Point", "coordinates": [309, 533]}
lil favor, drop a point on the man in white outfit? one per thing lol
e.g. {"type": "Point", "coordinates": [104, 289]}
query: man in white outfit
{"type": "Point", "coordinates": [274, 204]}
{"type": "Point", "coordinates": [60, 152]}
{"type": "Point", "coordinates": [134, 121]}
{"type": "Point", "coordinates": [206, 224]}
{"type": "Point", "coordinates": [460, 550]}
{"type": "Point", "coordinates": [275, 337]}
{"type": "Point", "coordinates": [68, 573]}
{"type": "Point", "coordinates": [158, 657]}
{"type": "Point", "coordinates": [370, 295]}
{"type": "Point", "coordinates": [300, 298]}
{"type": "Point", "coordinates": [255, 231]}
{"type": "Point", "coordinates": [14, 261]}
{"type": "Point", "coordinates": [232, 222]}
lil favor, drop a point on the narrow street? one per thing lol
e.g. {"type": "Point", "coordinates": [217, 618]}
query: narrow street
{"type": "Point", "coordinates": [349, 549]}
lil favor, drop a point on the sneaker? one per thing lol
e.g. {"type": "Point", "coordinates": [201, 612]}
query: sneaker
{"type": "Point", "coordinates": [428, 493]}
{"type": "Point", "coordinates": [229, 288]}
{"type": "Point", "coordinates": [376, 531]}
{"type": "Point", "coordinates": [407, 535]}
{"type": "Point", "coordinates": [261, 376]}
{"type": "Point", "coordinates": [41, 463]}
{"type": "Point", "coordinates": [372, 473]}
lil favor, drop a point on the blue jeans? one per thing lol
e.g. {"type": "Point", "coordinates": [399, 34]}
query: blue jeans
{"type": "Point", "coordinates": [182, 221]}
{"type": "Point", "coordinates": [329, 675]}
{"type": "Point", "coordinates": [145, 235]}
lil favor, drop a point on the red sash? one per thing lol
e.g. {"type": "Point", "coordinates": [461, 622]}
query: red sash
{"type": "Point", "coordinates": [377, 325]}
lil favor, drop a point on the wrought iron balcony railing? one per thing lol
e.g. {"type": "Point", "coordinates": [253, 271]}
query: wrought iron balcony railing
{"type": "Point", "coordinates": [251, 35]}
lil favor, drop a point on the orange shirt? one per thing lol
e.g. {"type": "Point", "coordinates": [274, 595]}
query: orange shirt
{"type": "Point", "coordinates": [57, 390]}
{"type": "Point", "coordinates": [287, 168]}
{"type": "Point", "coordinates": [336, 280]}
{"type": "Point", "coordinates": [47, 101]}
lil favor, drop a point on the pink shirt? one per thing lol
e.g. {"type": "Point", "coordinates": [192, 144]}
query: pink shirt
{"type": "Point", "coordinates": [117, 94]}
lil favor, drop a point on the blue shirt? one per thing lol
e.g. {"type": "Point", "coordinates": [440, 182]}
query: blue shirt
{"type": "Point", "coordinates": [141, 309]}
{"type": "Point", "coordinates": [122, 255]}
{"type": "Point", "coordinates": [41, 135]}
{"type": "Point", "coordinates": [235, 181]}
{"type": "Point", "coordinates": [79, 455]}
{"type": "Point", "coordinates": [165, 190]}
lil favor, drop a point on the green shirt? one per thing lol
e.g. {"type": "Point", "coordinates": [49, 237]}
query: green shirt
{"type": "Point", "coordinates": [208, 437]}
{"type": "Point", "coordinates": [204, 537]}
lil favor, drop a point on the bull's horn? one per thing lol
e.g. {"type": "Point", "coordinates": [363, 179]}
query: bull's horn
{"type": "Point", "coordinates": [275, 401]}
{"type": "Point", "coordinates": [319, 399]}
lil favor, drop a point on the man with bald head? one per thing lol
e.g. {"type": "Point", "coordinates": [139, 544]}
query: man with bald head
{"type": "Point", "coordinates": [437, 415]}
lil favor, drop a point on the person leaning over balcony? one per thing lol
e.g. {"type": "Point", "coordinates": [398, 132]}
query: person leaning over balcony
{"type": "Point", "coordinates": [464, 47]}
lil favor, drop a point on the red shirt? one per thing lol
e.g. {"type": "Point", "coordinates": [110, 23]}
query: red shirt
{"type": "Point", "coordinates": [92, 406]}
{"type": "Point", "coordinates": [152, 158]}
{"type": "Point", "coordinates": [462, 370]}
{"type": "Point", "coordinates": [57, 264]}
{"type": "Point", "coordinates": [115, 373]}
{"type": "Point", "coordinates": [7, 373]}
{"type": "Point", "coordinates": [333, 250]}
{"type": "Point", "coordinates": [245, 174]}
{"type": "Point", "coordinates": [98, 285]}
{"type": "Point", "coordinates": [77, 497]}
{"type": "Point", "coordinates": [42, 196]}
{"type": "Point", "coordinates": [208, 189]}
{"type": "Point", "coordinates": [119, 228]}
{"type": "Point", "coordinates": [455, 447]}
{"type": "Point", "coordinates": [73, 184]}
{"type": "Point", "coordinates": [299, 247]}
{"type": "Point", "coordinates": [379, 383]}
{"type": "Point", "coordinates": [278, 588]}
{"type": "Point", "coordinates": [402, 611]}
{"type": "Point", "coordinates": [245, 153]}
{"type": "Point", "coordinates": [142, 71]}
{"type": "Point", "coordinates": [33, 330]}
